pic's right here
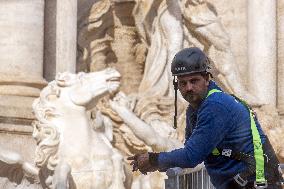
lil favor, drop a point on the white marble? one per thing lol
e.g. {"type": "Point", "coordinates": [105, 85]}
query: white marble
{"type": "Point", "coordinates": [280, 58]}
{"type": "Point", "coordinates": [67, 145]}
{"type": "Point", "coordinates": [66, 35]}
{"type": "Point", "coordinates": [21, 47]}
{"type": "Point", "coordinates": [262, 49]}
{"type": "Point", "coordinates": [70, 153]}
{"type": "Point", "coordinates": [163, 34]}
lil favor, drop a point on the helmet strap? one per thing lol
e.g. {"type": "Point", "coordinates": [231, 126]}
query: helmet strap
{"type": "Point", "coordinates": [175, 83]}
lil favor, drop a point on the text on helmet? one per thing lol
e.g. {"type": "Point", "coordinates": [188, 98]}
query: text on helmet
{"type": "Point", "coordinates": [180, 69]}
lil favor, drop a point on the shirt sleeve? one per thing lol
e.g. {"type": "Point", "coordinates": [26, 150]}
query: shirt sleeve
{"type": "Point", "coordinates": [213, 122]}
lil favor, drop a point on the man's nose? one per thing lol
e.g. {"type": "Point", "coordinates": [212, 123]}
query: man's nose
{"type": "Point", "coordinates": [188, 86]}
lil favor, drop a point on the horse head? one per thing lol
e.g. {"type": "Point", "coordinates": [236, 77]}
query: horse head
{"type": "Point", "coordinates": [61, 116]}
{"type": "Point", "coordinates": [85, 89]}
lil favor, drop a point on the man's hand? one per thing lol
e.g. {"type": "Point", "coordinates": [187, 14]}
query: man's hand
{"type": "Point", "coordinates": [141, 162]}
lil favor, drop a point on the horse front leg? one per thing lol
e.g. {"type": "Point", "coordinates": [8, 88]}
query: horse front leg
{"type": "Point", "coordinates": [62, 176]}
{"type": "Point", "coordinates": [119, 175]}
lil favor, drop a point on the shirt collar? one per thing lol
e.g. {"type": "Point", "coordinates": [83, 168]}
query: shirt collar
{"type": "Point", "coordinates": [213, 85]}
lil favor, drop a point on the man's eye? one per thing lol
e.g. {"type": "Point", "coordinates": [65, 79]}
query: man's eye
{"type": "Point", "coordinates": [194, 81]}
{"type": "Point", "coordinates": [182, 83]}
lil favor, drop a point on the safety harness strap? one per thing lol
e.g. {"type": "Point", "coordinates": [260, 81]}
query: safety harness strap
{"type": "Point", "coordinates": [213, 91]}
{"type": "Point", "coordinates": [258, 150]}
{"type": "Point", "coordinates": [270, 162]}
{"type": "Point", "coordinates": [257, 146]}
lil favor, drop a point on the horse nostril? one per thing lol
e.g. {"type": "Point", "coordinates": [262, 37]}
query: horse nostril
{"type": "Point", "coordinates": [109, 70]}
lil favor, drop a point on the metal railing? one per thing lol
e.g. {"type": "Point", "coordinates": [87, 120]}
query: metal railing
{"type": "Point", "coordinates": [196, 178]}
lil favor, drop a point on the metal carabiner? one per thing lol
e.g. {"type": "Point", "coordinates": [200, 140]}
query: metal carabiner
{"type": "Point", "coordinates": [240, 180]}
{"type": "Point", "coordinates": [260, 185]}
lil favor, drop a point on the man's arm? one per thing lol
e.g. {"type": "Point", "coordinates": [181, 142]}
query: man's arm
{"type": "Point", "coordinates": [212, 126]}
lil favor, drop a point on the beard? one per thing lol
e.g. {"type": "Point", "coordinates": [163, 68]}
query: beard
{"type": "Point", "coordinates": [194, 99]}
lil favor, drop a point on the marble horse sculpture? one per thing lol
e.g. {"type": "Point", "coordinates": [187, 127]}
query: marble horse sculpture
{"type": "Point", "coordinates": [79, 156]}
{"type": "Point", "coordinates": [70, 153]}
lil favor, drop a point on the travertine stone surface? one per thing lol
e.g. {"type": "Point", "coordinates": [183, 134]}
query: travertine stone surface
{"type": "Point", "coordinates": [49, 66]}
{"type": "Point", "coordinates": [126, 36]}
{"type": "Point", "coordinates": [107, 37]}
{"type": "Point", "coordinates": [24, 143]}
{"type": "Point", "coordinates": [60, 37]}
{"type": "Point", "coordinates": [262, 49]}
{"type": "Point", "coordinates": [66, 35]}
{"type": "Point", "coordinates": [21, 47]}
{"type": "Point", "coordinates": [233, 16]}
{"type": "Point", "coordinates": [159, 24]}
{"type": "Point", "coordinates": [280, 58]}
{"type": "Point", "coordinates": [21, 70]}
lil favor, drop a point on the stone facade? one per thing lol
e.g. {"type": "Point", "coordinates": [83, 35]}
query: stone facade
{"type": "Point", "coordinates": [32, 53]}
{"type": "Point", "coordinates": [280, 58]}
{"type": "Point", "coordinates": [40, 38]}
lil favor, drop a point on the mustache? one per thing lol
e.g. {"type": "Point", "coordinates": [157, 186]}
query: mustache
{"type": "Point", "coordinates": [189, 96]}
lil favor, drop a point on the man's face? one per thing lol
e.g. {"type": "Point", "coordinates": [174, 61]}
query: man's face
{"type": "Point", "coordinates": [193, 88]}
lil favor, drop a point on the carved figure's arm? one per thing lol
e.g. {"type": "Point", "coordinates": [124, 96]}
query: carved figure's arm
{"type": "Point", "coordinates": [13, 167]}
{"type": "Point", "coordinates": [144, 131]}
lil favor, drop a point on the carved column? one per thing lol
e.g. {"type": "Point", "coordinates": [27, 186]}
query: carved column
{"type": "Point", "coordinates": [21, 70]}
{"type": "Point", "coordinates": [60, 37]}
{"type": "Point", "coordinates": [66, 34]}
{"type": "Point", "coordinates": [280, 39]}
{"type": "Point", "coordinates": [262, 49]}
{"type": "Point", "coordinates": [21, 49]}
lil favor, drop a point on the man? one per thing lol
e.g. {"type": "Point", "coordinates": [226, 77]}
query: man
{"type": "Point", "coordinates": [221, 130]}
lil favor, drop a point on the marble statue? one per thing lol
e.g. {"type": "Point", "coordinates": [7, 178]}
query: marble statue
{"type": "Point", "coordinates": [70, 153]}
{"type": "Point", "coordinates": [159, 24]}
{"type": "Point", "coordinates": [94, 22]}
{"type": "Point", "coordinates": [67, 145]}
{"type": "Point", "coordinates": [17, 173]}
{"type": "Point", "coordinates": [159, 135]}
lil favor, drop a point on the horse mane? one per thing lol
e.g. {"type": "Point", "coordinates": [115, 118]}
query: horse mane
{"type": "Point", "coordinates": [45, 132]}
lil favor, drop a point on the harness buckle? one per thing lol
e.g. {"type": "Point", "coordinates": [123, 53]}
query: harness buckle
{"type": "Point", "coordinates": [267, 158]}
{"type": "Point", "coordinates": [240, 180]}
{"type": "Point", "coordinates": [226, 152]}
{"type": "Point", "coordinates": [260, 185]}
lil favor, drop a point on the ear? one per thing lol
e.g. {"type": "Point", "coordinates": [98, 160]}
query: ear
{"type": "Point", "coordinates": [206, 76]}
{"type": "Point", "coordinates": [80, 96]}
